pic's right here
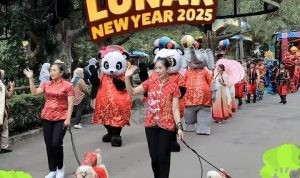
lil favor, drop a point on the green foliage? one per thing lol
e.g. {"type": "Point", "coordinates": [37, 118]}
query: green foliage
{"type": "Point", "coordinates": [280, 161]}
{"type": "Point", "coordinates": [14, 174]}
{"type": "Point", "coordinates": [286, 19]}
{"type": "Point", "coordinates": [85, 49]}
{"type": "Point", "coordinates": [12, 59]}
{"type": "Point", "coordinates": [25, 110]}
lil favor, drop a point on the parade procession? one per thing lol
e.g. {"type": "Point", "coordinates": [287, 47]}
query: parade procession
{"type": "Point", "coordinates": [149, 88]}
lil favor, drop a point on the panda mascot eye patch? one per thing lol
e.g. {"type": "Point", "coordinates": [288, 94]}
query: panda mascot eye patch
{"type": "Point", "coordinates": [106, 65]}
{"type": "Point", "coordinates": [173, 62]}
{"type": "Point", "coordinates": [119, 66]}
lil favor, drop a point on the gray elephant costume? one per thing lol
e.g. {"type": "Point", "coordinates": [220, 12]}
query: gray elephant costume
{"type": "Point", "coordinates": [198, 97]}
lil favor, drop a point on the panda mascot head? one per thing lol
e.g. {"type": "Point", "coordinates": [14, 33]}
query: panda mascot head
{"type": "Point", "coordinates": [113, 60]}
{"type": "Point", "coordinates": [171, 52]}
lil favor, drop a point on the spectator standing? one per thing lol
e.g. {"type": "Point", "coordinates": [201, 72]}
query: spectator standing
{"type": "Point", "coordinates": [5, 93]}
{"type": "Point", "coordinates": [44, 73]}
{"type": "Point", "coordinates": [80, 90]}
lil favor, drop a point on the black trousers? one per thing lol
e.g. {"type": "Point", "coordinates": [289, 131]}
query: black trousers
{"type": "Point", "coordinates": [78, 112]}
{"type": "Point", "coordinates": [159, 144]}
{"type": "Point", "coordinates": [240, 100]}
{"type": "Point", "coordinates": [274, 87]}
{"type": "Point", "coordinates": [54, 132]}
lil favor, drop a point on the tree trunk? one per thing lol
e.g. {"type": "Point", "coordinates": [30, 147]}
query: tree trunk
{"type": "Point", "coordinates": [63, 52]}
{"type": "Point", "coordinates": [64, 38]}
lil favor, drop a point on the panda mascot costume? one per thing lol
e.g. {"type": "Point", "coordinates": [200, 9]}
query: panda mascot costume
{"type": "Point", "coordinates": [198, 80]}
{"type": "Point", "coordinates": [113, 104]}
{"type": "Point", "coordinates": [175, 56]}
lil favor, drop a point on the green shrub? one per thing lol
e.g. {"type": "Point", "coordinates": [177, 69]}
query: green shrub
{"type": "Point", "coordinates": [14, 174]}
{"type": "Point", "coordinates": [25, 110]}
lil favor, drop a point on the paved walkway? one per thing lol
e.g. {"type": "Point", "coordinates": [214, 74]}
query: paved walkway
{"type": "Point", "coordinates": [237, 145]}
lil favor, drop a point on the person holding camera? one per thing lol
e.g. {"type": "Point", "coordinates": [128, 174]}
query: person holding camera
{"type": "Point", "coordinates": [5, 93]}
{"type": "Point", "coordinates": [162, 115]}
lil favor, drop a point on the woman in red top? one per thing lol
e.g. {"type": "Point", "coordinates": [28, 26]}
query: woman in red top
{"type": "Point", "coordinates": [162, 115]}
{"type": "Point", "coordinates": [56, 115]}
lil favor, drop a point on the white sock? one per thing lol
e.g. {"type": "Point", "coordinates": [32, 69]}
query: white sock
{"type": "Point", "coordinates": [51, 174]}
{"type": "Point", "coordinates": [60, 173]}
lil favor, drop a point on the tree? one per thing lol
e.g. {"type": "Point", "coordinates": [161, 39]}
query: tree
{"type": "Point", "coordinates": [286, 19]}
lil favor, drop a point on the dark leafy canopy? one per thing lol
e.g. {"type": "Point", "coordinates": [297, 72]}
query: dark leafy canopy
{"type": "Point", "coordinates": [35, 22]}
{"type": "Point", "coordinates": [286, 19]}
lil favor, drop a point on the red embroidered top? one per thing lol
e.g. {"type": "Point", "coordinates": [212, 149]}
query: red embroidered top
{"type": "Point", "coordinates": [198, 91]}
{"type": "Point", "coordinates": [178, 79]}
{"type": "Point", "coordinates": [112, 107]}
{"type": "Point", "coordinates": [56, 104]}
{"type": "Point", "coordinates": [160, 96]}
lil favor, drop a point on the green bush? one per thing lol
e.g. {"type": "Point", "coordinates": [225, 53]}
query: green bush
{"type": "Point", "coordinates": [14, 174]}
{"type": "Point", "coordinates": [25, 112]}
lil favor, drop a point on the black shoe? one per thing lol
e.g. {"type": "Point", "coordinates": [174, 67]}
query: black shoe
{"type": "Point", "coordinates": [116, 141]}
{"type": "Point", "coordinates": [175, 147]}
{"type": "Point", "coordinates": [5, 151]}
{"type": "Point", "coordinates": [106, 138]}
{"type": "Point", "coordinates": [280, 102]}
{"type": "Point", "coordinates": [284, 102]}
{"type": "Point", "coordinates": [254, 99]}
{"type": "Point", "coordinates": [248, 98]}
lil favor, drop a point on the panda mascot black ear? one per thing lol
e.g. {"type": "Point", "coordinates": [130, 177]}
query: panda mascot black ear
{"type": "Point", "coordinates": [126, 55]}
{"type": "Point", "coordinates": [155, 50]}
{"type": "Point", "coordinates": [180, 51]}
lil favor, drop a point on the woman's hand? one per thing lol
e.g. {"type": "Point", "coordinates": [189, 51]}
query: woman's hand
{"type": "Point", "coordinates": [28, 73]}
{"type": "Point", "coordinates": [67, 123]}
{"type": "Point", "coordinates": [221, 82]}
{"type": "Point", "coordinates": [130, 71]}
{"type": "Point", "coordinates": [180, 134]}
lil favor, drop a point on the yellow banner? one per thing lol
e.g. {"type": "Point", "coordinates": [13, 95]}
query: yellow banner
{"type": "Point", "coordinates": [121, 16]}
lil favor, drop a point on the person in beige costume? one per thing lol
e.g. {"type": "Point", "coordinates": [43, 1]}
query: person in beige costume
{"type": "Point", "coordinates": [5, 93]}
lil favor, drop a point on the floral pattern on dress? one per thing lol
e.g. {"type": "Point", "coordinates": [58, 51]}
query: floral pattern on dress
{"type": "Point", "coordinates": [198, 83]}
{"type": "Point", "coordinates": [112, 107]}
{"type": "Point", "coordinates": [56, 95]}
